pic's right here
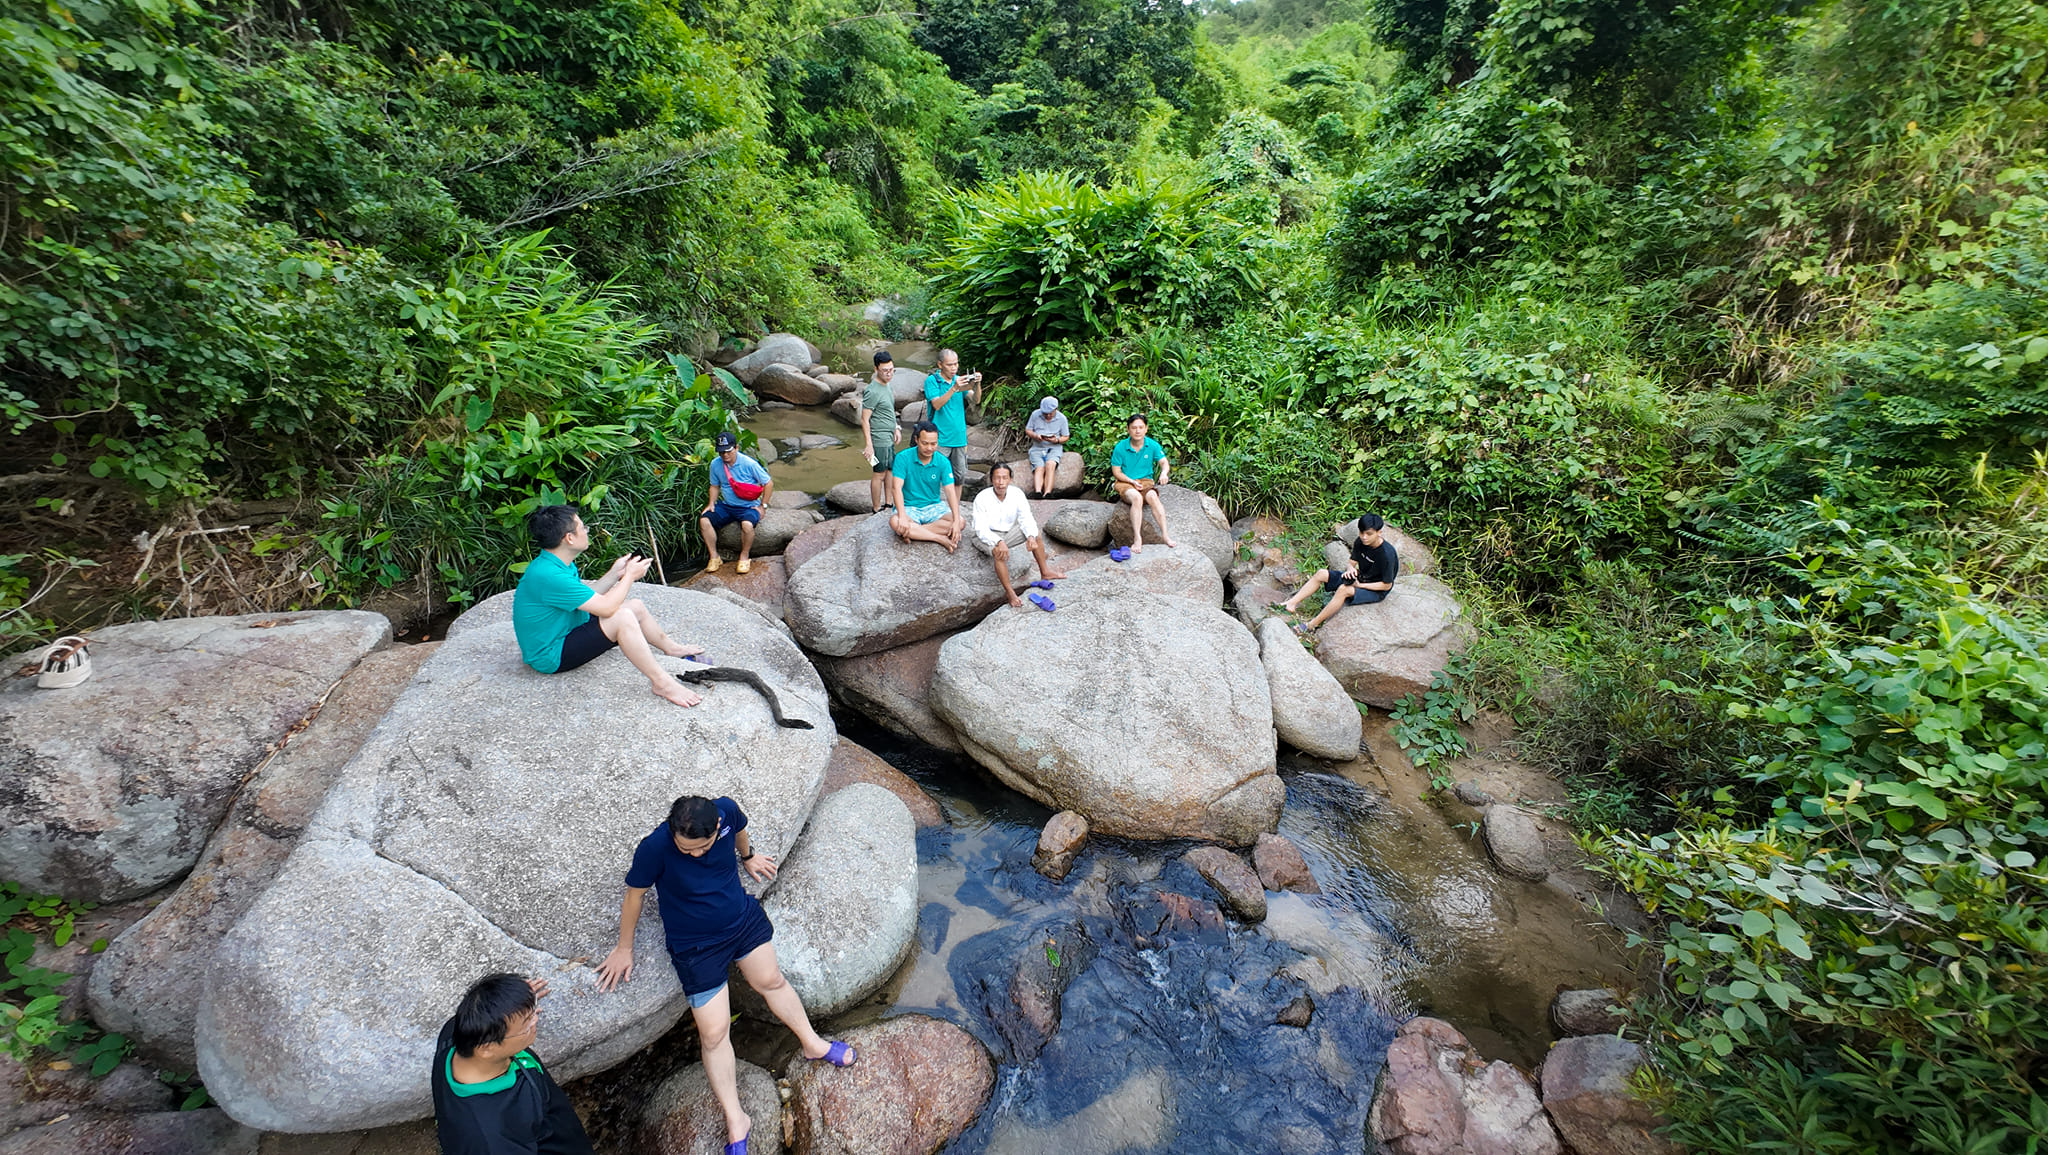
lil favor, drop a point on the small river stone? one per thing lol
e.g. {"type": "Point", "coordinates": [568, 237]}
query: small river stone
{"type": "Point", "coordinates": [1514, 843]}
{"type": "Point", "coordinates": [1585, 1012]}
{"type": "Point", "coordinates": [1058, 843]}
{"type": "Point", "coordinates": [1281, 866]}
{"type": "Point", "coordinates": [1298, 1013]}
{"type": "Point", "coordinates": [1235, 881]}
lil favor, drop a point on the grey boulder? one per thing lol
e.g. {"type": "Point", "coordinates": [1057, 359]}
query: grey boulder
{"type": "Point", "coordinates": [1585, 1089]}
{"type": "Point", "coordinates": [1437, 1097]}
{"type": "Point", "coordinates": [775, 349]}
{"type": "Point", "coordinates": [893, 689]}
{"type": "Point", "coordinates": [1082, 523]}
{"type": "Point", "coordinates": [871, 591]}
{"type": "Point", "coordinates": [1195, 518]}
{"type": "Point", "coordinates": [1153, 722]}
{"type": "Point", "coordinates": [777, 529]}
{"type": "Point", "coordinates": [682, 1116]}
{"type": "Point", "coordinates": [1383, 652]}
{"type": "Point", "coordinates": [1311, 712]}
{"type": "Point", "coordinates": [110, 789]}
{"type": "Point", "coordinates": [486, 825]}
{"type": "Point", "coordinates": [845, 902]}
{"type": "Point", "coordinates": [146, 985]}
{"type": "Point", "coordinates": [1069, 475]}
{"type": "Point", "coordinates": [791, 384]}
{"type": "Point", "coordinates": [1514, 843]}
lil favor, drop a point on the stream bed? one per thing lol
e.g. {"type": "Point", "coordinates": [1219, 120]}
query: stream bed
{"type": "Point", "coordinates": [1167, 1039]}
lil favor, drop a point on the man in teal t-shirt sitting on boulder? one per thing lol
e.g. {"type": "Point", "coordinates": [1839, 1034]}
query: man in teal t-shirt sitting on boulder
{"type": "Point", "coordinates": [926, 493]}
{"type": "Point", "coordinates": [562, 622]}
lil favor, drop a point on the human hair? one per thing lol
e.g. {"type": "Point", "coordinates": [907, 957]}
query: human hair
{"type": "Point", "coordinates": [1002, 465]}
{"type": "Point", "coordinates": [882, 358]}
{"type": "Point", "coordinates": [480, 1016]}
{"type": "Point", "coordinates": [550, 524]}
{"type": "Point", "coordinates": [1370, 521]}
{"type": "Point", "coordinates": [943, 352]}
{"type": "Point", "coordinates": [1134, 419]}
{"type": "Point", "coordinates": [693, 816]}
{"type": "Point", "coordinates": [922, 428]}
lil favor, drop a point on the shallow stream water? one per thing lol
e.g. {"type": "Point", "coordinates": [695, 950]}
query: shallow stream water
{"type": "Point", "coordinates": [1167, 1038]}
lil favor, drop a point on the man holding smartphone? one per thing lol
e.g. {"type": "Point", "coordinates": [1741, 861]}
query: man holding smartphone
{"type": "Point", "coordinates": [1367, 576]}
{"type": "Point", "coordinates": [562, 621]}
{"type": "Point", "coordinates": [946, 394]}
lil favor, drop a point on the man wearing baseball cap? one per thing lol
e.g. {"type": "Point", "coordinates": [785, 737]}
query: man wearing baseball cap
{"type": "Point", "coordinates": [1046, 430]}
{"type": "Point", "coordinates": [739, 488]}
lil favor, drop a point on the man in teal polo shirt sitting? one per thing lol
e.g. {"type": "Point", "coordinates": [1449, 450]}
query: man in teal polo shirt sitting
{"type": "Point", "coordinates": [927, 497]}
{"type": "Point", "coordinates": [562, 622]}
{"type": "Point", "coordinates": [946, 394]}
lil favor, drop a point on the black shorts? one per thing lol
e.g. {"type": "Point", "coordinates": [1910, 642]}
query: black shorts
{"type": "Point", "coordinates": [583, 643]}
{"type": "Point", "coordinates": [702, 965]}
{"type": "Point", "coordinates": [1359, 597]}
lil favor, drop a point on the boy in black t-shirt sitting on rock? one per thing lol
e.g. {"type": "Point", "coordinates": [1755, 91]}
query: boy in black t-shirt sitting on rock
{"type": "Point", "coordinates": [491, 1094]}
{"type": "Point", "coordinates": [1367, 576]}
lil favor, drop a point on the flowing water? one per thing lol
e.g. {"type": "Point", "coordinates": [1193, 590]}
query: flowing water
{"type": "Point", "coordinates": [1167, 1039]}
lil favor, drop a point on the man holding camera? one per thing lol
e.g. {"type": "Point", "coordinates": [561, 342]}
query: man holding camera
{"type": "Point", "coordinates": [946, 394]}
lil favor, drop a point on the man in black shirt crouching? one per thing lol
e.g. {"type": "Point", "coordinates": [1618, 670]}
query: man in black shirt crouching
{"type": "Point", "coordinates": [491, 1094]}
{"type": "Point", "coordinates": [1366, 577]}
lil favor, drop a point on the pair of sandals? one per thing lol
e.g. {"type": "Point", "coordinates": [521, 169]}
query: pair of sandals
{"type": "Point", "coordinates": [839, 1054]}
{"type": "Point", "coordinates": [743, 565]}
{"type": "Point", "coordinates": [1038, 599]}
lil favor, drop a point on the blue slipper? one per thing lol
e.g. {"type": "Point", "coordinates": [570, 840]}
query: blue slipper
{"type": "Point", "coordinates": [838, 1054]}
{"type": "Point", "coordinates": [736, 1148]}
{"type": "Point", "coordinates": [1041, 601]}
{"type": "Point", "coordinates": [1120, 553]}
{"type": "Point", "coordinates": [1040, 584]}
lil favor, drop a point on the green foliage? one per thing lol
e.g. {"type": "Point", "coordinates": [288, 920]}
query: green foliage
{"type": "Point", "coordinates": [533, 389]}
{"type": "Point", "coordinates": [1047, 257]}
{"type": "Point", "coordinates": [32, 1019]}
{"type": "Point", "coordinates": [1426, 723]}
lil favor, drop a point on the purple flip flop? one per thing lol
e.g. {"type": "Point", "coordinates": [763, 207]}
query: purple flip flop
{"type": "Point", "coordinates": [737, 1147]}
{"type": "Point", "coordinates": [1041, 601]}
{"type": "Point", "coordinates": [838, 1054]}
{"type": "Point", "coordinates": [1040, 584]}
{"type": "Point", "coordinates": [1120, 553]}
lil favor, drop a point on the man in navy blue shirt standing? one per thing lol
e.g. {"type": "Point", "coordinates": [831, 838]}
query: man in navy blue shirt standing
{"type": "Point", "coordinates": [693, 862]}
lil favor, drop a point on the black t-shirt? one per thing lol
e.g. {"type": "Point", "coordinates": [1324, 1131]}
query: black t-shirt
{"type": "Point", "coordinates": [528, 1115]}
{"type": "Point", "coordinates": [1375, 563]}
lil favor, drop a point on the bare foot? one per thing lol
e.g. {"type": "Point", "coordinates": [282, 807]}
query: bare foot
{"type": "Point", "coordinates": [676, 651]}
{"type": "Point", "coordinates": [675, 692]}
{"type": "Point", "coordinates": [1051, 575]}
{"type": "Point", "coordinates": [1172, 544]}
{"type": "Point", "coordinates": [745, 1128]}
{"type": "Point", "coordinates": [951, 546]}
{"type": "Point", "coordinates": [1137, 547]}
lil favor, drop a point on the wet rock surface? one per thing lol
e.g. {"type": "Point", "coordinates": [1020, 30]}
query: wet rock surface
{"type": "Point", "coordinates": [110, 789]}
{"type": "Point", "coordinates": [1437, 1097]}
{"type": "Point", "coordinates": [917, 1084]}
{"type": "Point", "coordinates": [1514, 843]}
{"type": "Point", "coordinates": [1233, 879]}
{"type": "Point", "coordinates": [1063, 837]}
{"type": "Point", "coordinates": [683, 1116]}
{"type": "Point", "coordinates": [1585, 1089]}
{"type": "Point", "coordinates": [1281, 866]}
{"type": "Point", "coordinates": [1586, 1012]}
{"type": "Point", "coordinates": [893, 689]}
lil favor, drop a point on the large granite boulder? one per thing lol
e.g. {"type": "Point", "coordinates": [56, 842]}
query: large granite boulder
{"type": "Point", "coordinates": [917, 1084]}
{"type": "Point", "coordinates": [1082, 523]}
{"type": "Point", "coordinates": [1069, 477]}
{"type": "Point", "coordinates": [1383, 652]}
{"type": "Point", "coordinates": [1585, 1089]}
{"type": "Point", "coordinates": [893, 689]}
{"type": "Point", "coordinates": [775, 349]}
{"type": "Point", "coordinates": [851, 497]}
{"type": "Point", "coordinates": [765, 584]}
{"type": "Point", "coordinates": [1179, 572]}
{"type": "Point", "coordinates": [1436, 1096]}
{"type": "Point", "coordinates": [203, 1132]}
{"type": "Point", "coordinates": [1311, 712]}
{"type": "Point", "coordinates": [777, 529]}
{"type": "Point", "coordinates": [845, 902]}
{"type": "Point", "coordinates": [817, 539]}
{"type": "Point", "coordinates": [110, 789]}
{"type": "Point", "coordinates": [853, 762]}
{"type": "Point", "coordinates": [486, 825]}
{"type": "Point", "coordinates": [846, 407]}
{"type": "Point", "coordinates": [682, 1116]}
{"type": "Point", "coordinates": [146, 985]}
{"type": "Point", "coordinates": [1145, 712]}
{"type": "Point", "coordinates": [1197, 522]}
{"type": "Point", "coordinates": [791, 384]}
{"type": "Point", "coordinates": [872, 591]}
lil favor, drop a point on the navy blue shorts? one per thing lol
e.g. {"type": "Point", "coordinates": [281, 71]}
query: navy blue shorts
{"type": "Point", "coordinates": [702, 964]}
{"type": "Point", "coordinates": [1359, 597]}
{"type": "Point", "coordinates": [583, 643]}
{"type": "Point", "coordinates": [722, 515]}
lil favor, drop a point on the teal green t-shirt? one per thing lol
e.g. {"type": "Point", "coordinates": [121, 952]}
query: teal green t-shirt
{"type": "Point", "coordinates": [952, 420]}
{"type": "Point", "coordinates": [544, 610]}
{"type": "Point", "coordinates": [1139, 463]}
{"type": "Point", "coordinates": [923, 484]}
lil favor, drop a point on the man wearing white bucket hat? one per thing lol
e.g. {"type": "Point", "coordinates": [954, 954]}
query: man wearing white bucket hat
{"type": "Point", "coordinates": [1046, 430]}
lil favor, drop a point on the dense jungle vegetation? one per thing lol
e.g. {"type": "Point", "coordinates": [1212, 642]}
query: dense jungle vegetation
{"type": "Point", "coordinates": [1708, 344]}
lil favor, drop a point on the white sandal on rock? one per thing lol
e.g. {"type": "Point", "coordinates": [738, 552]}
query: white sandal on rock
{"type": "Point", "coordinates": [64, 662]}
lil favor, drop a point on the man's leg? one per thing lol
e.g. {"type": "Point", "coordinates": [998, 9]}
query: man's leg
{"type": "Point", "coordinates": [1308, 587]}
{"type": "Point", "coordinates": [878, 490]}
{"type": "Point", "coordinates": [764, 974]}
{"type": "Point", "coordinates": [721, 1066]}
{"type": "Point", "coordinates": [908, 529]}
{"type": "Point", "coordinates": [1045, 570]}
{"type": "Point", "coordinates": [1337, 601]}
{"type": "Point", "coordinates": [957, 454]}
{"type": "Point", "coordinates": [1001, 556]}
{"type": "Point", "coordinates": [1159, 514]}
{"type": "Point", "coordinates": [710, 533]}
{"type": "Point", "coordinates": [624, 628]}
{"type": "Point", "coordinates": [1135, 498]}
{"type": "Point", "coordinates": [746, 537]}
{"type": "Point", "coordinates": [655, 635]}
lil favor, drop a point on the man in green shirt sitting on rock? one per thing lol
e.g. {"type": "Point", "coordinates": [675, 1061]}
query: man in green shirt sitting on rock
{"type": "Point", "coordinates": [926, 494]}
{"type": "Point", "coordinates": [562, 622]}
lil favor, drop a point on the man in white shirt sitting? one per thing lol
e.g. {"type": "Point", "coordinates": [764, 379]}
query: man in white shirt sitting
{"type": "Point", "coordinates": [1002, 518]}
